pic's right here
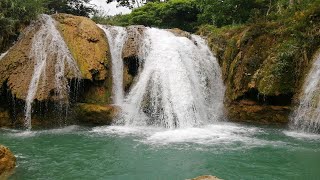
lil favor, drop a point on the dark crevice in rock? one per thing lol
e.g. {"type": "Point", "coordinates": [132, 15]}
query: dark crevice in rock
{"type": "Point", "coordinates": [133, 65]}
{"type": "Point", "coordinates": [254, 96]}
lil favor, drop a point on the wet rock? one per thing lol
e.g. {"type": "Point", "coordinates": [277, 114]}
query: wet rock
{"type": "Point", "coordinates": [89, 46]}
{"type": "Point", "coordinates": [95, 114]}
{"type": "Point", "coordinates": [205, 177]}
{"type": "Point", "coordinates": [5, 120]}
{"type": "Point", "coordinates": [179, 32]}
{"type": "Point", "coordinates": [16, 68]}
{"type": "Point", "coordinates": [132, 45]}
{"type": "Point", "coordinates": [7, 162]}
{"type": "Point", "coordinates": [130, 54]}
{"type": "Point", "coordinates": [251, 112]}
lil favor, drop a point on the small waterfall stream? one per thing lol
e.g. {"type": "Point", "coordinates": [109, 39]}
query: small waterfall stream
{"type": "Point", "coordinates": [3, 54]}
{"type": "Point", "coordinates": [307, 116]}
{"type": "Point", "coordinates": [180, 84]}
{"type": "Point", "coordinates": [48, 46]}
{"type": "Point", "coordinates": [116, 37]}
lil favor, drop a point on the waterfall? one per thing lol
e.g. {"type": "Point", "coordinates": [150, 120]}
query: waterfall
{"type": "Point", "coordinates": [116, 37]}
{"type": "Point", "coordinates": [179, 84]}
{"type": "Point", "coordinates": [3, 54]}
{"type": "Point", "coordinates": [307, 116]}
{"type": "Point", "coordinates": [48, 47]}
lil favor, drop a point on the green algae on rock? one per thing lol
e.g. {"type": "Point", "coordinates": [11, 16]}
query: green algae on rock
{"type": "Point", "coordinates": [95, 114]}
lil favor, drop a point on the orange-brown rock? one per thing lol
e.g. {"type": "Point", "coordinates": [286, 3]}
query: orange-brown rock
{"type": "Point", "coordinates": [88, 45]}
{"type": "Point", "coordinates": [179, 32]}
{"type": "Point", "coordinates": [7, 162]}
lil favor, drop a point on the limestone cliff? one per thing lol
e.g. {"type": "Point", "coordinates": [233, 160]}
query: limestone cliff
{"type": "Point", "coordinates": [87, 45]}
{"type": "Point", "coordinates": [263, 65]}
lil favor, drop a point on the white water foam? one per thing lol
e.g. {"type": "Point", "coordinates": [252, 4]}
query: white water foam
{"type": "Point", "coordinates": [180, 84]}
{"type": "Point", "coordinates": [302, 135]}
{"type": "Point", "coordinates": [46, 44]}
{"type": "Point", "coordinates": [116, 37]}
{"type": "Point", "coordinates": [225, 135]}
{"type": "Point", "coordinates": [58, 131]}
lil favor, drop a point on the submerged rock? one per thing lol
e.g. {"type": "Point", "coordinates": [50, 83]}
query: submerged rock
{"type": "Point", "coordinates": [95, 114]}
{"type": "Point", "coordinates": [205, 177]}
{"type": "Point", "coordinates": [7, 162]}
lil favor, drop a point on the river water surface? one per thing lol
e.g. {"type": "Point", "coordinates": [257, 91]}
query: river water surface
{"type": "Point", "coordinates": [226, 150]}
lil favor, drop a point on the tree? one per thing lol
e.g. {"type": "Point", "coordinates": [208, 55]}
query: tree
{"type": "Point", "coordinates": [75, 7]}
{"type": "Point", "coordinates": [225, 12]}
{"type": "Point", "coordinates": [133, 3]}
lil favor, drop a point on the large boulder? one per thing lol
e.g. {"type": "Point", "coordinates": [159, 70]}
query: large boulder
{"type": "Point", "coordinates": [89, 46]}
{"type": "Point", "coordinates": [7, 162]}
{"type": "Point", "coordinates": [84, 76]}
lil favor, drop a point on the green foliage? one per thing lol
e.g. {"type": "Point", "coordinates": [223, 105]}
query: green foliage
{"type": "Point", "coordinates": [15, 14]}
{"type": "Point", "coordinates": [225, 12]}
{"type": "Point", "coordinates": [75, 7]}
{"type": "Point", "coordinates": [171, 14]}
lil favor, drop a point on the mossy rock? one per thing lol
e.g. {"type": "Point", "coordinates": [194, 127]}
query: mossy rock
{"type": "Point", "coordinates": [95, 114]}
{"type": "Point", "coordinates": [251, 112]}
{"type": "Point", "coordinates": [89, 46]}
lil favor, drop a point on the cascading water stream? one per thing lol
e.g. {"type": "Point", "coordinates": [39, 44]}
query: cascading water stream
{"type": "Point", "coordinates": [116, 37]}
{"type": "Point", "coordinates": [307, 116]}
{"type": "Point", "coordinates": [48, 46]}
{"type": "Point", "coordinates": [3, 54]}
{"type": "Point", "coordinates": [180, 84]}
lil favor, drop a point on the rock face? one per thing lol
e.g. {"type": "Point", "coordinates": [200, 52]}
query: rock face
{"type": "Point", "coordinates": [260, 65]}
{"type": "Point", "coordinates": [251, 112]}
{"type": "Point", "coordinates": [95, 114]}
{"type": "Point", "coordinates": [7, 162]}
{"type": "Point", "coordinates": [88, 47]}
{"type": "Point", "coordinates": [130, 54]}
{"type": "Point", "coordinates": [16, 68]}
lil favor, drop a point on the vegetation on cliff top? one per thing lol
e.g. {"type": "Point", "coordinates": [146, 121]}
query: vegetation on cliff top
{"type": "Point", "coordinates": [16, 14]}
{"type": "Point", "coordinates": [269, 55]}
